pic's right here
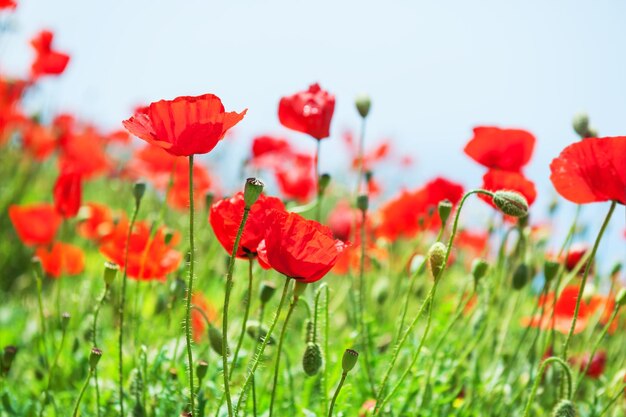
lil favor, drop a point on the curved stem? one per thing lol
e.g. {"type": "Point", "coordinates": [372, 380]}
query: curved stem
{"type": "Point", "coordinates": [247, 302]}
{"type": "Point", "coordinates": [584, 280]}
{"type": "Point", "coordinates": [292, 307]}
{"type": "Point", "coordinates": [190, 291]}
{"type": "Point", "coordinates": [332, 403]}
{"type": "Point", "coordinates": [257, 357]}
{"type": "Point", "coordinates": [52, 369]}
{"type": "Point", "coordinates": [82, 392]}
{"type": "Point", "coordinates": [568, 374]}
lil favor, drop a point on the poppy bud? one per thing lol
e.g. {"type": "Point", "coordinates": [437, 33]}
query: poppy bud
{"type": "Point", "coordinates": [581, 125]}
{"type": "Point", "coordinates": [550, 268]}
{"type": "Point", "coordinates": [324, 181]}
{"type": "Point", "coordinates": [258, 332]}
{"type": "Point", "coordinates": [267, 291]}
{"type": "Point", "coordinates": [201, 369]}
{"type": "Point", "coordinates": [436, 258]}
{"type": "Point", "coordinates": [94, 357]}
{"type": "Point", "coordinates": [520, 276]}
{"type": "Point", "coordinates": [444, 208]}
{"type": "Point", "coordinates": [65, 318]}
{"type": "Point", "coordinates": [7, 358]}
{"type": "Point", "coordinates": [565, 408]}
{"type": "Point", "coordinates": [110, 272]}
{"type": "Point", "coordinates": [215, 340]}
{"type": "Point", "coordinates": [298, 289]}
{"type": "Point", "coordinates": [479, 269]}
{"type": "Point", "coordinates": [208, 199]}
{"type": "Point", "coordinates": [139, 189]}
{"type": "Point", "coordinates": [616, 269]}
{"type": "Point", "coordinates": [252, 191]}
{"type": "Point", "coordinates": [363, 103]}
{"type": "Point", "coordinates": [349, 360]}
{"type": "Point", "coordinates": [620, 299]}
{"type": "Point", "coordinates": [169, 234]}
{"type": "Point", "coordinates": [362, 202]}
{"type": "Point", "coordinates": [312, 359]}
{"type": "Point", "coordinates": [511, 203]}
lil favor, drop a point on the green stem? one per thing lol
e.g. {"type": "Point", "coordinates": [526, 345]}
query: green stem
{"type": "Point", "coordinates": [332, 403]}
{"type": "Point", "coordinates": [39, 279]}
{"type": "Point", "coordinates": [259, 353]}
{"type": "Point", "coordinates": [121, 308]}
{"type": "Point", "coordinates": [612, 401]}
{"type": "Point", "coordinates": [94, 341]}
{"type": "Point", "coordinates": [324, 382]}
{"type": "Point", "coordinates": [584, 280]}
{"type": "Point", "coordinates": [190, 291]}
{"type": "Point", "coordinates": [52, 369]}
{"type": "Point", "coordinates": [318, 207]}
{"type": "Point", "coordinates": [407, 298]}
{"type": "Point", "coordinates": [292, 307]}
{"type": "Point", "coordinates": [360, 156]}
{"type": "Point", "coordinates": [82, 392]}
{"type": "Point", "coordinates": [568, 374]}
{"type": "Point", "coordinates": [247, 302]}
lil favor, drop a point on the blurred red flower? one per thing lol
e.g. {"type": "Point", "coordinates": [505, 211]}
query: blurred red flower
{"type": "Point", "coordinates": [47, 61]}
{"type": "Point", "coordinates": [495, 180]}
{"type": "Point", "coordinates": [474, 241]}
{"type": "Point", "coordinates": [198, 324]}
{"type": "Point", "coordinates": [309, 111]}
{"type": "Point", "coordinates": [96, 221]}
{"type": "Point", "coordinates": [10, 94]}
{"type": "Point", "coordinates": [38, 140]}
{"type": "Point", "coordinates": [61, 259]}
{"type": "Point", "coordinates": [505, 149]}
{"type": "Point", "coordinates": [35, 224]}
{"type": "Point", "coordinates": [178, 196]}
{"type": "Point", "coordinates": [7, 4]}
{"type": "Point", "coordinates": [296, 177]}
{"type": "Point", "coordinates": [84, 152]}
{"type": "Point", "coordinates": [268, 150]}
{"type": "Point", "coordinates": [226, 216]}
{"type": "Point", "coordinates": [298, 248]}
{"type": "Point", "coordinates": [591, 170]}
{"type": "Point", "coordinates": [184, 126]}
{"type": "Point", "coordinates": [574, 255]}
{"type": "Point", "coordinates": [596, 367]}
{"type": "Point", "coordinates": [149, 258]}
{"type": "Point", "coordinates": [67, 193]}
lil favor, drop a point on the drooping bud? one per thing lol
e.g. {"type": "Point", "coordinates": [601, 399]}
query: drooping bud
{"type": "Point", "coordinates": [521, 276]}
{"type": "Point", "coordinates": [252, 191]}
{"type": "Point", "coordinates": [580, 123]}
{"type": "Point", "coordinates": [258, 332]}
{"type": "Point", "coordinates": [110, 272]}
{"type": "Point", "coordinates": [267, 291]}
{"type": "Point", "coordinates": [139, 189]}
{"type": "Point", "coordinates": [312, 359]}
{"type": "Point", "coordinates": [215, 340]}
{"type": "Point", "coordinates": [620, 299]}
{"type": "Point", "coordinates": [436, 258]}
{"type": "Point", "coordinates": [8, 356]}
{"type": "Point", "coordinates": [169, 235]}
{"type": "Point", "coordinates": [511, 203]}
{"type": "Point", "coordinates": [324, 181]}
{"type": "Point", "coordinates": [298, 289]}
{"type": "Point", "coordinates": [65, 319]}
{"type": "Point", "coordinates": [94, 357]}
{"type": "Point", "coordinates": [479, 269]}
{"type": "Point", "coordinates": [362, 202]}
{"type": "Point", "coordinates": [201, 369]}
{"type": "Point", "coordinates": [550, 269]}
{"type": "Point", "coordinates": [444, 208]}
{"type": "Point", "coordinates": [349, 360]}
{"type": "Point", "coordinates": [363, 104]}
{"type": "Point", "coordinates": [565, 408]}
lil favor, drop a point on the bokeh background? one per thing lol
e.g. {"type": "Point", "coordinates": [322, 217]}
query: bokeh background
{"type": "Point", "coordinates": [433, 69]}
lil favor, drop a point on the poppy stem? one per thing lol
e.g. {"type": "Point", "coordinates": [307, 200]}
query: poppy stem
{"type": "Point", "coordinates": [122, 303]}
{"type": "Point", "coordinates": [39, 279]}
{"type": "Point", "coordinates": [585, 276]}
{"type": "Point", "coordinates": [544, 365]}
{"type": "Point", "coordinates": [255, 361]}
{"type": "Point", "coordinates": [247, 302]}
{"type": "Point", "coordinates": [46, 396]}
{"type": "Point", "coordinates": [292, 306]}
{"type": "Point", "coordinates": [320, 193]}
{"type": "Point", "coordinates": [229, 286]}
{"type": "Point", "coordinates": [82, 392]}
{"type": "Point", "coordinates": [94, 331]}
{"type": "Point", "coordinates": [323, 288]}
{"type": "Point", "coordinates": [337, 391]}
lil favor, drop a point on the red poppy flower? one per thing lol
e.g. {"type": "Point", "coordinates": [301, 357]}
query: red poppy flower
{"type": "Point", "coordinates": [298, 248]}
{"type": "Point", "coordinates": [67, 193]}
{"type": "Point", "coordinates": [475, 241]}
{"type": "Point", "coordinates": [596, 367]}
{"type": "Point", "coordinates": [7, 4]}
{"type": "Point", "coordinates": [47, 61]}
{"type": "Point", "coordinates": [344, 220]}
{"type": "Point", "coordinates": [225, 218]}
{"type": "Point", "coordinates": [184, 126]}
{"type": "Point", "coordinates": [153, 163]}
{"type": "Point", "coordinates": [84, 152]}
{"type": "Point", "coordinates": [296, 177]}
{"type": "Point", "coordinates": [350, 259]}
{"type": "Point", "coordinates": [574, 255]}
{"type": "Point", "coordinates": [178, 196]}
{"type": "Point", "coordinates": [495, 180]}
{"type": "Point", "coordinates": [148, 257]}
{"type": "Point", "coordinates": [591, 170]}
{"type": "Point", "coordinates": [61, 259]}
{"type": "Point", "coordinates": [309, 112]}
{"type": "Point", "coordinates": [96, 221]}
{"type": "Point", "coordinates": [198, 324]}
{"type": "Point", "coordinates": [35, 224]}
{"type": "Point", "coordinates": [269, 152]}
{"type": "Point", "coordinates": [505, 149]}
{"type": "Point", "coordinates": [38, 140]}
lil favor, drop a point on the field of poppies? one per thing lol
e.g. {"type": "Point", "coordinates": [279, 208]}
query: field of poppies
{"type": "Point", "coordinates": [132, 284]}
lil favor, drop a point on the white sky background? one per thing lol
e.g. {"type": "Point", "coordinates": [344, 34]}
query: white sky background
{"type": "Point", "coordinates": [434, 70]}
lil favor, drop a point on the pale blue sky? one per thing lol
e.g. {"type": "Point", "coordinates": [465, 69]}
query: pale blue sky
{"type": "Point", "coordinates": [434, 69]}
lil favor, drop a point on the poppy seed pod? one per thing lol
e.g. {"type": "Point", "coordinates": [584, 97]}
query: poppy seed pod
{"type": "Point", "coordinates": [363, 104]}
{"type": "Point", "coordinates": [139, 189]}
{"type": "Point", "coordinates": [201, 369]}
{"type": "Point", "coordinates": [94, 357]}
{"type": "Point", "coordinates": [620, 299]}
{"type": "Point", "coordinates": [511, 203]}
{"type": "Point", "coordinates": [267, 291]}
{"type": "Point", "coordinates": [479, 269]}
{"type": "Point", "coordinates": [580, 123]}
{"type": "Point", "coordinates": [550, 269]}
{"type": "Point", "coordinates": [565, 408]}
{"type": "Point", "coordinates": [444, 209]}
{"type": "Point", "coordinates": [349, 360]}
{"type": "Point", "coordinates": [252, 191]}
{"type": "Point", "coordinates": [362, 202]}
{"type": "Point", "coordinates": [110, 272]}
{"type": "Point", "coordinates": [436, 258]}
{"type": "Point", "coordinates": [312, 359]}
{"type": "Point", "coordinates": [521, 276]}
{"type": "Point", "coordinates": [258, 332]}
{"type": "Point", "coordinates": [215, 340]}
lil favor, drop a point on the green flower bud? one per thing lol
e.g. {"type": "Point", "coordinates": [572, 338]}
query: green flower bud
{"type": "Point", "coordinates": [550, 269]}
{"type": "Point", "coordinates": [511, 203]}
{"type": "Point", "coordinates": [444, 208]}
{"type": "Point", "coordinates": [363, 103]}
{"type": "Point", "coordinates": [437, 258]}
{"type": "Point", "coordinates": [362, 202]}
{"type": "Point", "coordinates": [620, 299]}
{"type": "Point", "coordinates": [312, 359]}
{"type": "Point", "coordinates": [94, 357]}
{"type": "Point", "coordinates": [139, 189]}
{"type": "Point", "coordinates": [201, 369]}
{"type": "Point", "coordinates": [616, 269]}
{"type": "Point", "coordinates": [215, 340]}
{"type": "Point", "coordinates": [479, 269]}
{"type": "Point", "coordinates": [580, 123]}
{"type": "Point", "coordinates": [208, 199]}
{"type": "Point", "coordinates": [258, 332]}
{"type": "Point", "coordinates": [110, 272]}
{"type": "Point", "coordinates": [349, 360]}
{"type": "Point", "coordinates": [169, 235]}
{"type": "Point", "coordinates": [65, 319]}
{"type": "Point", "coordinates": [324, 181]}
{"type": "Point", "coordinates": [521, 276]}
{"type": "Point", "coordinates": [565, 408]}
{"type": "Point", "coordinates": [252, 191]}
{"type": "Point", "coordinates": [267, 291]}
